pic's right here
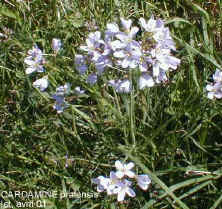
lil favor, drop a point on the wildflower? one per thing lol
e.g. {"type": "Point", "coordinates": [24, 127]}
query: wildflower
{"type": "Point", "coordinates": [145, 80]}
{"type": "Point", "coordinates": [122, 189]}
{"type": "Point", "coordinates": [80, 62]}
{"type": "Point", "coordinates": [60, 103]}
{"type": "Point", "coordinates": [92, 79]}
{"type": "Point", "coordinates": [56, 44]}
{"type": "Point", "coordinates": [127, 37]}
{"type": "Point", "coordinates": [34, 60]}
{"type": "Point", "coordinates": [130, 56]}
{"type": "Point", "coordinates": [79, 91]}
{"type": "Point", "coordinates": [124, 169]}
{"type": "Point", "coordinates": [151, 25]}
{"type": "Point", "coordinates": [102, 183]}
{"type": "Point", "coordinates": [108, 184]}
{"type": "Point", "coordinates": [41, 83]}
{"type": "Point", "coordinates": [217, 76]}
{"type": "Point", "coordinates": [121, 86]}
{"type": "Point", "coordinates": [93, 44]}
{"type": "Point", "coordinates": [112, 30]}
{"type": "Point", "coordinates": [59, 96]}
{"type": "Point", "coordinates": [34, 65]}
{"type": "Point", "coordinates": [62, 90]}
{"type": "Point", "coordinates": [215, 89]}
{"type": "Point", "coordinates": [143, 181]}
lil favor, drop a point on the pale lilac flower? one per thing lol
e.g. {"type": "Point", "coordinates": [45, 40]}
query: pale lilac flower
{"type": "Point", "coordinates": [217, 76]}
{"type": "Point", "coordinates": [60, 103]}
{"type": "Point", "coordinates": [130, 56]}
{"type": "Point", "coordinates": [79, 91]}
{"type": "Point", "coordinates": [151, 25]}
{"type": "Point", "coordinates": [92, 79]}
{"type": "Point", "coordinates": [161, 77]}
{"type": "Point", "coordinates": [146, 80]}
{"type": "Point", "coordinates": [101, 63]}
{"type": "Point", "coordinates": [93, 45]}
{"type": "Point", "coordinates": [34, 60]}
{"type": "Point", "coordinates": [163, 61]}
{"type": "Point", "coordinates": [124, 169]}
{"type": "Point", "coordinates": [117, 184]}
{"type": "Point", "coordinates": [107, 184]}
{"type": "Point", "coordinates": [215, 91]}
{"type": "Point", "coordinates": [143, 181]}
{"type": "Point", "coordinates": [122, 189]}
{"type": "Point", "coordinates": [113, 183]}
{"type": "Point", "coordinates": [41, 83]}
{"type": "Point", "coordinates": [63, 90]}
{"type": "Point", "coordinates": [56, 44]}
{"type": "Point", "coordinates": [164, 39]}
{"type": "Point", "coordinates": [102, 183]}
{"type": "Point", "coordinates": [59, 96]}
{"type": "Point", "coordinates": [81, 64]}
{"type": "Point", "coordinates": [127, 37]}
{"type": "Point", "coordinates": [111, 31]}
{"type": "Point", "coordinates": [158, 32]}
{"type": "Point", "coordinates": [35, 52]}
{"type": "Point", "coordinates": [121, 86]}
{"type": "Point", "coordinates": [34, 65]}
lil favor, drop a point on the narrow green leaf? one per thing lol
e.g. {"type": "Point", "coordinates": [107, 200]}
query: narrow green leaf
{"type": "Point", "coordinates": [217, 203]}
{"type": "Point", "coordinates": [195, 51]}
{"type": "Point", "coordinates": [178, 20]}
{"type": "Point", "coordinates": [198, 9]}
{"type": "Point", "coordinates": [85, 116]}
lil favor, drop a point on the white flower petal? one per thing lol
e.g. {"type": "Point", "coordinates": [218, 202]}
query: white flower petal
{"type": "Point", "coordinates": [42, 83]}
{"type": "Point", "coordinates": [133, 31]}
{"type": "Point", "coordinates": [113, 27]}
{"type": "Point", "coordinates": [210, 95]}
{"type": "Point", "coordinates": [142, 22]}
{"type": "Point", "coordinates": [146, 81]}
{"type": "Point", "coordinates": [130, 165]}
{"type": "Point", "coordinates": [143, 186]}
{"type": "Point", "coordinates": [209, 87]}
{"type": "Point", "coordinates": [130, 174]}
{"type": "Point", "coordinates": [125, 63]}
{"type": "Point", "coordinates": [30, 70]}
{"type": "Point", "coordinates": [119, 174]}
{"type": "Point", "coordinates": [130, 192]}
{"type": "Point", "coordinates": [119, 54]}
{"type": "Point", "coordinates": [121, 195]}
{"type": "Point", "coordinates": [126, 23]}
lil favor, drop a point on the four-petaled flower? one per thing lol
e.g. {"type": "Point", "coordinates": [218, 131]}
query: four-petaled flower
{"type": "Point", "coordinates": [122, 189]}
{"type": "Point", "coordinates": [124, 169]}
{"type": "Point", "coordinates": [143, 181]}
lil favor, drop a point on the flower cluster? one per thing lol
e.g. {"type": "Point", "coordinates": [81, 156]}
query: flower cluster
{"type": "Point", "coordinates": [117, 184]}
{"type": "Point", "coordinates": [215, 89]}
{"type": "Point", "coordinates": [35, 61]}
{"type": "Point", "coordinates": [122, 49]}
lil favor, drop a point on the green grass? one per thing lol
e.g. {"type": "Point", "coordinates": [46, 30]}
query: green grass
{"type": "Point", "coordinates": [166, 130]}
